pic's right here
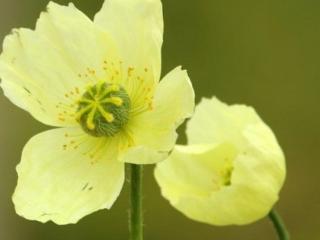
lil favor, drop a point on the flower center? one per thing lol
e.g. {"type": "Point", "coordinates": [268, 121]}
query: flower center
{"type": "Point", "coordinates": [103, 109]}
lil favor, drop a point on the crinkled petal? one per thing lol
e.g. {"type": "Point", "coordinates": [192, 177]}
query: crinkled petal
{"type": "Point", "coordinates": [137, 26]}
{"type": "Point", "coordinates": [155, 130]}
{"type": "Point", "coordinates": [65, 175]}
{"type": "Point", "coordinates": [45, 71]}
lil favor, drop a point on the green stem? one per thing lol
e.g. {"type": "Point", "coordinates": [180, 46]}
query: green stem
{"type": "Point", "coordinates": [136, 212]}
{"type": "Point", "coordinates": [278, 224]}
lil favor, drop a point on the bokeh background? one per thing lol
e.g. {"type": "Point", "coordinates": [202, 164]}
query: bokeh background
{"type": "Point", "coordinates": [263, 53]}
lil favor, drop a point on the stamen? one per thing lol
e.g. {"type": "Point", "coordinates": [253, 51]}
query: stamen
{"type": "Point", "coordinates": [77, 90]}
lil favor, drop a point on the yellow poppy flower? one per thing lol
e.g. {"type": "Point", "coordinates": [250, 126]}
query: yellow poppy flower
{"type": "Point", "coordinates": [98, 82]}
{"type": "Point", "coordinates": [232, 170]}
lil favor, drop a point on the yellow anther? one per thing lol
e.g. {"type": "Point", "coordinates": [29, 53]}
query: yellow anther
{"type": "Point", "coordinates": [130, 70]}
{"type": "Point", "coordinates": [107, 116]}
{"type": "Point", "coordinates": [114, 100]}
{"type": "Point", "coordinates": [90, 118]}
{"type": "Point", "coordinates": [150, 105]}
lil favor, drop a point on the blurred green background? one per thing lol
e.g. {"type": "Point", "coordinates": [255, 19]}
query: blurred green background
{"type": "Point", "coordinates": [263, 53]}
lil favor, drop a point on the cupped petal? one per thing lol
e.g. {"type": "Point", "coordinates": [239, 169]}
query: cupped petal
{"type": "Point", "coordinates": [205, 187]}
{"type": "Point", "coordinates": [195, 170]}
{"type": "Point", "coordinates": [234, 177]}
{"type": "Point", "coordinates": [215, 121]}
{"type": "Point", "coordinates": [261, 162]}
{"type": "Point", "coordinates": [45, 71]}
{"type": "Point", "coordinates": [65, 175]}
{"type": "Point", "coordinates": [137, 26]}
{"type": "Point", "coordinates": [154, 131]}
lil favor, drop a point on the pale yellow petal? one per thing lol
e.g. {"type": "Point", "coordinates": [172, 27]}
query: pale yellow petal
{"type": "Point", "coordinates": [142, 155]}
{"type": "Point", "coordinates": [156, 129]}
{"type": "Point", "coordinates": [45, 71]}
{"type": "Point", "coordinates": [234, 177]}
{"type": "Point", "coordinates": [137, 26]}
{"type": "Point", "coordinates": [215, 121]}
{"type": "Point", "coordinates": [195, 170]}
{"type": "Point", "coordinates": [86, 47]}
{"type": "Point", "coordinates": [65, 175]}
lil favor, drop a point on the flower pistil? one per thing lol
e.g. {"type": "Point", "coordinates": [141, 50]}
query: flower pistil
{"type": "Point", "coordinates": [103, 109]}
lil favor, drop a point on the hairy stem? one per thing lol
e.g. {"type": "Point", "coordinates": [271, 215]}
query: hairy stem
{"type": "Point", "coordinates": [136, 212]}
